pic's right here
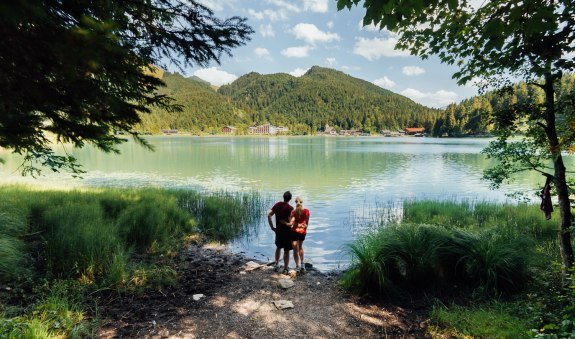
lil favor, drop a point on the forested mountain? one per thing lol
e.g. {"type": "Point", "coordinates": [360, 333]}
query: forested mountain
{"type": "Point", "coordinates": [304, 104]}
{"type": "Point", "coordinates": [204, 110]}
{"type": "Point", "coordinates": [472, 116]}
{"type": "Point", "coordinates": [325, 96]}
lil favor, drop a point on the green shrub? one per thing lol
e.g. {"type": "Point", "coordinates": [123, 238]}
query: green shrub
{"type": "Point", "coordinates": [367, 273]}
{"type": "Point", "coordinates": [492, 260]}
{"type": "Point", "coordinates": [421, 258]}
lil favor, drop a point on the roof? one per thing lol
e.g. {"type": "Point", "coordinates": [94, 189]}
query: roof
{"type": "Point", "coordinates": [414, 129]}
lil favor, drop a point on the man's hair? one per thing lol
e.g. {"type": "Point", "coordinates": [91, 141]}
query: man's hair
{"type": "Point", "coordinates": [287, 196]}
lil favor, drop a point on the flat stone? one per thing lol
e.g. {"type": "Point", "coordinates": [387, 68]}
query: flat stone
{"type": "Point", "coordinates": [251, 265]}
{"type": "Point", "coordinates": [282, 304]}
{"type": "Point", "coordinates": [286, 283]}
{"type": "Point", "coordinates": [197, 297]}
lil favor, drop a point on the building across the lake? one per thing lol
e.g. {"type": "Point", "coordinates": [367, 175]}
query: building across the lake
{"type": "Point", "coordinates": [354, 132]}
{"type": "Point", "coordinates": [329, 130]}
{"type": "Point", "coordinates": [229, 130]}
{"type": "Point", "coordinates": [414, 130]}
{"type": "Point", "coordinates": [268, 129]}
{"type": "Point", "coordinates": [170, 131]}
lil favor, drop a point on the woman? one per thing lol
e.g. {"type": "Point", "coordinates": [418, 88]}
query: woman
{"type": "Point", "coordinates": [299, 221]}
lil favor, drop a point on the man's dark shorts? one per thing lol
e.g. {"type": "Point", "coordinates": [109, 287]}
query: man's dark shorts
{"type": "Point", "coordinates": [283, 240]}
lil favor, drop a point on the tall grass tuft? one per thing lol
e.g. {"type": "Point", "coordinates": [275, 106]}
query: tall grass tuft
{"type": "Point", "coordinates": [14, 261]}
{"type": "Point", "coordinates": [151, 219]}
{"type": "Point", "coordinates": [223, 216]}
{"type": "Point", "coordinates": [422, 258]}
{"type": "Point", "coordinates": [368, 273]}
{"type": "Point", "coordinates": [493, 260]}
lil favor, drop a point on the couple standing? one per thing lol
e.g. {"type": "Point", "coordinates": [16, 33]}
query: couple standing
{"type": "Point", "coordinates": [290, 229]}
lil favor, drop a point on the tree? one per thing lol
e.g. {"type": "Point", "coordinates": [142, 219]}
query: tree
{"type": "Point", "coordinates": [501, 41]}
{"type": "Point", "coordinates": [74, 71]}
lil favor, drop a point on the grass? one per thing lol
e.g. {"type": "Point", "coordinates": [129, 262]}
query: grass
{"type": "Point", "coordinates": [100, 239]}
{"type": "Point", "coordinates": [486, 320]}
{"type": "Point", "coordinates": [482, 255]}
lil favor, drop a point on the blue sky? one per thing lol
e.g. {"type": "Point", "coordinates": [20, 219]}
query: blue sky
{"type": "Point", "coordinates": [292, 36]}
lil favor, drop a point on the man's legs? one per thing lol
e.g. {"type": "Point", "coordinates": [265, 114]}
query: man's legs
{"type": "Point", "coordinates": [286, 259]}
{"type": "Point", "coordinates": [278, 252]}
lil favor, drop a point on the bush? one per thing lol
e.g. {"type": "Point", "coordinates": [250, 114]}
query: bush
{"type": "Point", "coordinates": [418, 258]}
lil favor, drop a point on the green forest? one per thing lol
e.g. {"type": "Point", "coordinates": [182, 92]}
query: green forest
{"type": "Point", "coordinates": [325, 96]}
{"type": "Point", "coordinates": [474, 116]}
{"type": "Point", "coordinates": [304, 104]}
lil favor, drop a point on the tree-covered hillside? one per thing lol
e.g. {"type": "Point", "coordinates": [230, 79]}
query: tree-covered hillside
{"type": "Point", "coordinates": [325, 96]}
{"type": "Point", "coordinates": [304, 104]}
{"type": "Point", "coordinates": [203, 109]}
{"type": "Point", "coordinates": [474, 116]}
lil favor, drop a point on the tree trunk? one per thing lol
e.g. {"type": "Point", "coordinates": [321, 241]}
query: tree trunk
{"type": "Point", "coordinates": [559, 180]}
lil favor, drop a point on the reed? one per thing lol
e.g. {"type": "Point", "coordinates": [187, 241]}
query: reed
{"type": "Point", "coordinates": [108, 238]}
{"type": "Point", "coordinates": [438, 245]}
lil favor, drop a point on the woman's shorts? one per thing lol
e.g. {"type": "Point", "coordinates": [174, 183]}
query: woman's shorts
{"type": "Point", "coordinates": [297, 236]}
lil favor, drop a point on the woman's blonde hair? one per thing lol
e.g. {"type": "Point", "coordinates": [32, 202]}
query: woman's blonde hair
{"type": "Point", "coordinates": [298, 206]}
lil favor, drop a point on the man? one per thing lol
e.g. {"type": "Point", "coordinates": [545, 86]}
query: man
{"type": "Point", "coordinates": [282, 211]}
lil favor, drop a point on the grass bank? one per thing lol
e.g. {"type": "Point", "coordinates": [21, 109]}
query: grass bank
{"type": "Point", "coordinates": [487, 262]}
{"type": "Point", "coordinates": [56, 247]}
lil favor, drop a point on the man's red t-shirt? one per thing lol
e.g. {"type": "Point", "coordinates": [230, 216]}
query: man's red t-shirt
{"type": "Point", "coordinates": [302, 219]}
{"type": "Point", "coordinates": [282, 211]}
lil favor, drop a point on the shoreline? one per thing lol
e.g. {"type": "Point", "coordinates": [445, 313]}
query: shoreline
{"type": "Point", "coordinates": [239, 302]}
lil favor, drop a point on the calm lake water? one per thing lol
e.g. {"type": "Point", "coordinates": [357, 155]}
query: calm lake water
{"type": "Point", "coordinates": [342, 180]}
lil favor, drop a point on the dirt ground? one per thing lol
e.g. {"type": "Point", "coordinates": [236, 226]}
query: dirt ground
{"type": "Point", "coordinates": [239, 304]}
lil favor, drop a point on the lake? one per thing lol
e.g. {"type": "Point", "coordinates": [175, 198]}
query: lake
{"type": "Point", "coordinates": [342, 180]}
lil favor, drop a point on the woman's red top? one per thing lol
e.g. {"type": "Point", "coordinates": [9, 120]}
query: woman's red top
{"type": "Point", "coordinates": [302, 219]}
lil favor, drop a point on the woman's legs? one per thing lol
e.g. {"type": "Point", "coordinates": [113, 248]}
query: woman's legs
{"type": "Point", "coordinates": [295, 252]}
{"type": "Point", "coordinates": [300, 252]}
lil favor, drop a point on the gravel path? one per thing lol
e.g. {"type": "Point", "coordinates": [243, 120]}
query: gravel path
{"type": "Point", "coordinates": [239, 303]}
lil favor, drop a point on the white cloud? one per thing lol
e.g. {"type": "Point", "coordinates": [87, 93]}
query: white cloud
{"type": "Point", "coordinates": [373, 49]}
{"type": "Point", "coordinates": [268, 13]}
{"type": "Point", "coordinates": [296, 52]}
{"type": "Point", "coordinates": [255, 14]}
{"type": "Point", "coordinates": [267, 31]}
{"type": "Point", "coordinates": [215, 76]}
{"type": "Point", "coordinates": [311, 34]}
{"type": "Point", "coordinates": [329, 24]}
{"type": "Point", "coordinates": [440, 98]}
{"type": "Point", "coordinates": [287, 5]}
{"type": "Point", "coordinates": [262, 53]}
{"type": "Point", "coordinates": [319, 6]}
{"type": "Point", "coordinates": [370, 28]}
{"type": "Point", "coordinates": [412, 70]}
{"type": "Point", "coordinates": [298, 72]}
{"type": "Point", "coordinates": [331, 61]}
{"type": "Point", "coordinates": [384, 82]}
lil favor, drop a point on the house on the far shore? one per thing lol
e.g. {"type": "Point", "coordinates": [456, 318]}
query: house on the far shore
{"type": "Point", "coordinates": [268, 129]}
{"type": "Point", "coordinates": [229, 130]}
{"type": "Point", "coordinates": [414, 130]}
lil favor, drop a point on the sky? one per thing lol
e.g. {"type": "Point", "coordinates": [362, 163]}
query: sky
{"type": "Point", "coordinates": [291, 36]}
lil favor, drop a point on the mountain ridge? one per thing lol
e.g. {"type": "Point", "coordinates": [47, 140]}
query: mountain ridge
{"type": "Point", "coordinates": [305, 104]}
